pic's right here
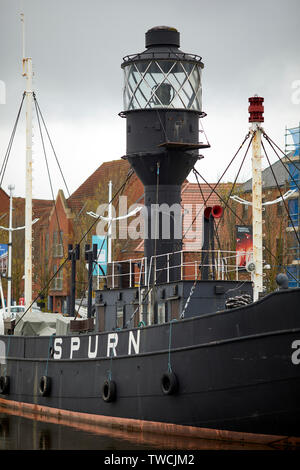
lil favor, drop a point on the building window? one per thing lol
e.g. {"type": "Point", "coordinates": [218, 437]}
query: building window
{"type": "Point", "coordinates": [46, 247]}
{"type": "Point", "coordinates": [57, 283]}
{"type": "Point", "coordinates": [280, 208]}
{"type": "Point", "coordinates": [57, 246]}
{"type": "Point", "coordinates": [294, 212]}
{"type": "Point", "coordinates": [245, 211]}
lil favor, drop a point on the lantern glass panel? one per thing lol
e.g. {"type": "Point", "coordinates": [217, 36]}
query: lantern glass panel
{"type": "Point", "coordinates": [162, 84]}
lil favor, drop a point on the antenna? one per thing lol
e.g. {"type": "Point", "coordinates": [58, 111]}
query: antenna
{"type": "Point", "coordinates": [23, 42]}
{"type": "Point", "coordinates": [23, 35]}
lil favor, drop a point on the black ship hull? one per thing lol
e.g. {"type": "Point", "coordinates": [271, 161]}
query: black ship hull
{"type": "Point", "coordinates": [237, 370]}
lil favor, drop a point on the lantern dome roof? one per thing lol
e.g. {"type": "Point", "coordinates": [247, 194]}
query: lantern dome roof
{"type": "Point", "coordinates": [162, 36]}
{"type": "Point", "coordinates": [162, 43]}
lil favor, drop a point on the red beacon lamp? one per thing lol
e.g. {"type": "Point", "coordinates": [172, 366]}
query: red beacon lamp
{"type": "Point", "coordinates": [256, 109]}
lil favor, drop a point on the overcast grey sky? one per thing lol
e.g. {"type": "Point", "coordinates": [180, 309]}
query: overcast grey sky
{"type": "Point", "coordinates": [77, 47]}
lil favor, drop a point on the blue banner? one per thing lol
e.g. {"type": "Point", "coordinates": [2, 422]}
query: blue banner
{"type": "Point", "coordinates": [100, 269]}
{"type": "Point", "coordinates": [295, 133]}
{"type": "Point", "coordinates": [293, 211]}
{"type": "Point", "coordinates": [294, 175]}
{"type": "Point", "coordinates": [3, 257]}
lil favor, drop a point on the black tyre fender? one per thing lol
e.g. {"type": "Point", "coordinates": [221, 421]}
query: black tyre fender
{"type": "Point", "coordinates": [4, 384]}
{"type": "Point", "coordinates": [109, 391]}
{"type": "Point", "coordinates": [45, 385]}
{"type": "Point", "coordinates": [169, 383]}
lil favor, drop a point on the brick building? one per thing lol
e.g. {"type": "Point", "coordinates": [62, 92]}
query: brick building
{"type": "Point", "coordinates": [65, 221]}
{"type": "Point", "coordinates": [67, 224]}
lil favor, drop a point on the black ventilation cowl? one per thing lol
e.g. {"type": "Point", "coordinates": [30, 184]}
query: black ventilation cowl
{"type": "Point", "coordinates": [162, 36]}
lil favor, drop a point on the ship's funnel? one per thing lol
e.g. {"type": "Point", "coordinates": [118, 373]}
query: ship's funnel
{"type": "Point", "coordinates": [207, 212]}
{"type": "Point", "coordinates": [210, 213]}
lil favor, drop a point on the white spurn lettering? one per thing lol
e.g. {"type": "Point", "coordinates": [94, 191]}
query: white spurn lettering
{"type": "Point", "coordinates": [57, 348]}
{"type": "Point", "coordinates": [92, 345]}
{"type": "Point", "coordinates": [133, 342]}
{"type": "Point", "coordinates": [75, 345]}
{"type": "Point", "coordinates": [93, 354]}
{"type": "Point", "coordinates": [112, 341]}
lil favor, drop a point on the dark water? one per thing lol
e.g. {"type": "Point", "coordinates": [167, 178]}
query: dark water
{"type": "Point", "coordinates": [39, 433]}
{"type": "Point", "coordinates": [20, 433]}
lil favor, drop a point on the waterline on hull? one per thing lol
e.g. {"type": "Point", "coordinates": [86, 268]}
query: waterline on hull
{"type": "Point", "coordinates": [176, 436]}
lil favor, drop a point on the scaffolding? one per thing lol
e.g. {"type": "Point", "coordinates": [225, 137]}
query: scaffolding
{"type": "Point", "coordinates": [292, 150]}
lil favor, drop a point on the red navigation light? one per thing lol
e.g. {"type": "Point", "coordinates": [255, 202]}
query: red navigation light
{"type": "Point", "coordinates": [256, 109]}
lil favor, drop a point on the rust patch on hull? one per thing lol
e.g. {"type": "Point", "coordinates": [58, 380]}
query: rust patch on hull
{"type": "Point", "coordinates": [161, 434]}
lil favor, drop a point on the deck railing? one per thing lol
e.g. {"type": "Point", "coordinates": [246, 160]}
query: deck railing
{"type": "Point", "coordinates": [189, 266]}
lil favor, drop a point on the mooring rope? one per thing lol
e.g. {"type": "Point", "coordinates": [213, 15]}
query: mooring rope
{"type": "Point", "coordinates": [50, 348]}
{"type": "Point", "coordinates": [169, 350]}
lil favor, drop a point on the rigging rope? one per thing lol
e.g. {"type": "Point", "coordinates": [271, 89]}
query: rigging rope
{"type": "Point", "coordinates": [129, 174]}
{"type": "Point", "coordinates": [156, 218]}
{"type": "Point", "coordinates": [40, 113]}
{"type": "Point", "coordinates": [155, 247]}
{"type": "Point", "coordinates": [284, 202]}
{"type": "Point", "coordinates": [48, 171]}
{"type": "Point", "coordinates": [236, 215]}
{"type": "Point", "coordinates": [271, 143]}
{"type": "Point", "coordinates": [66, 259]}
{"type": "Point", "coordinates": [226, 169]}
{"type": "Point", "coordinates": [213, 190]}
{"type": "Point", "coordinates": [190, 296]}
{"type": "Point", "coordinates": [214, 227]}
{"type": "Point", "coordinates": [237, 175]}
{"type": "Point", "coordinates": [205, 201]}
{"type": "Point", "coordinates": [7, 153]}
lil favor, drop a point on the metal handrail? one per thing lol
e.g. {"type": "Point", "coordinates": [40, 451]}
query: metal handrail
{"type": "Point", "coordinates": [224, 263]}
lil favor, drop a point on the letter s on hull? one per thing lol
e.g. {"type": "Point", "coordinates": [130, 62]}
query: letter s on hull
{"type": "Point", "coordinates": [57, 348]}
{"type": "Point", "coordinates": [296, 354]}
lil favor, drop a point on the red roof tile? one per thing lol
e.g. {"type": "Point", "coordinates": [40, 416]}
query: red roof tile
{"type": "Point", "coordinates": [86, 190]}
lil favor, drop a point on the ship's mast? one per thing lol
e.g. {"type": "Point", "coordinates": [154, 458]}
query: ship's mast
{"type": "Point", "coordinates": [27, 72]}
{"type": "Point", "coordinates": [109, 238]}
{"type": "Point", "coordinates": [11, 188]}
{"type": "Point", "coordinates": [256, 118]}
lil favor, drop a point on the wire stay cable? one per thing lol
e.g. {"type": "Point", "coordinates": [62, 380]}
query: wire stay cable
{"type": "Point", "coordinates": [237, 216]}
{"type": "Point", "coordinates": [7, 153]}
{"type": "Point", "coordinates": [283, 200]}
{"type": "Point", "coordinates": [49, 176]}
{"type": "Point", "coordinates": [73, 250]}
